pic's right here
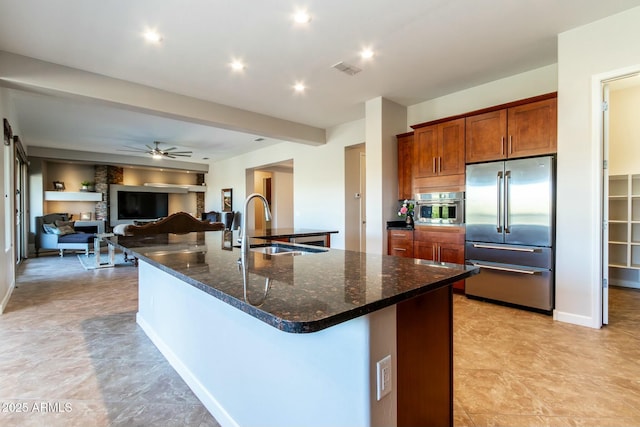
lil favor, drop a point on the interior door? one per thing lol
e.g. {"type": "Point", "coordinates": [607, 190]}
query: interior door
{"type": "Point", "coordinates": [363, 202]}
{"type": "Point", "coordinates": [605, 205]}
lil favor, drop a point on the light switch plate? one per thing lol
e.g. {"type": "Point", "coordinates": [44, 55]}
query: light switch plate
{"type": "Point", "coordinates": [384, 377]}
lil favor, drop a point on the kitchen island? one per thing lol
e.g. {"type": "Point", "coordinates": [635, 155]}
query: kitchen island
{"type": "Point", "coordinates": [298, 341]}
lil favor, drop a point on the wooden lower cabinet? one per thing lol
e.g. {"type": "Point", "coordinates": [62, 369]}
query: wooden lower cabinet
{"type": "Point", "coordinates": [440, 244]}
{"type": "Point", "coordinates": [400, 243]}
{"type": "Point", "coordinates": [424, 326]}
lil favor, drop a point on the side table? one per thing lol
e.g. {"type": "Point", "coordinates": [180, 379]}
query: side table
{"type": "Point", "coordinates": [111, 254]}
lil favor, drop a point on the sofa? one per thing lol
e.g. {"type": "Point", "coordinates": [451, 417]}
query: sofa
{"type": "Point", "coordinates": [231, 220]}
{"type": "Point", "coordinates": [56, 232]}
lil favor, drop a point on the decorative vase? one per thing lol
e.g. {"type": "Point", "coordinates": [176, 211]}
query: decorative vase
{"type": "Point", "coordinates": [409, 220]}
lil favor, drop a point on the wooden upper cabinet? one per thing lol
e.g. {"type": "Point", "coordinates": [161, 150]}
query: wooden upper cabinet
{"type": "Point", "coordinates": [451, 147]}
{"type": "Point", "coordinates": [486, 136]}
{"type": "Point", "coordinates": [519, 131]}
{"type": "Point", "coordinates": [532, 129]}
{"type": "Point", "coordinates": [439, 149]}
{"type": "Point", "coordinates": [405, 166]}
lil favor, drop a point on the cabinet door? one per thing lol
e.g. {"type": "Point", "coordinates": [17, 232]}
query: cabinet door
{"type": "Point", "coordinates": [451, 159]}
{"type": "Point", "coordinates": [532, 129]}
{"type": "Point", "coordinates": [485, 137]}
{"type": "Point", "coordinates": [405, 160]}
{"type": "Point", "coordinates": [451, 252]}
{"type": "Point", "coordinates": [425, 152]}
{"type": "Point", "coordinates": [424, 250]}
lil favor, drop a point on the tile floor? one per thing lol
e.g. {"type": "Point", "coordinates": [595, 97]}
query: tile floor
{"type": "Point", "coordinates": [71, 354]}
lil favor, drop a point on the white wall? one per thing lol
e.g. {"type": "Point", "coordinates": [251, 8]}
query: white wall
{"type": "Point", "coordinates": [384, 120]}
{"type": "Point", "coordinates": [624, 131]}
{"type": "Point", "coordinates": [586, 55]}
{"type": "Point", "coordinates": [520, 86]}
{"type": "Point", "coordinates": [318, 181]}
{"type": "Point", "coordinates": [7, 258]}
{"type": "Point", "coordinates": [282, 199]}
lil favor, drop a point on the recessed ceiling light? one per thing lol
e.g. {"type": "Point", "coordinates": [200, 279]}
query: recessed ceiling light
{"type": "Point", "coordinates": [237, 65]}
{"type": "Point", "coordinates": [301, 17]}
{"type": "Point", "coordinates": [299, 87]}
{"type": "Point", "coordinates": [152, 36]}
{"type": "Point", "coordinates": [366, 53]}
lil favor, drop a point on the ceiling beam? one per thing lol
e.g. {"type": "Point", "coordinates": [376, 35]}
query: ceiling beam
{"type": "Point", "coordinates": [115, 159]}
{"type": "Point", "coordinates": [29, 74]}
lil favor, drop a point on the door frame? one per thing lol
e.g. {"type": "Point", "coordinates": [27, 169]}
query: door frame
{"type": "Point", "coordinates": [600, 120]}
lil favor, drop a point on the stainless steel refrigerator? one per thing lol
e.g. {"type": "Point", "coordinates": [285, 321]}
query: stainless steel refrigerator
{"type": "Point", "coordinates": [510, 231]}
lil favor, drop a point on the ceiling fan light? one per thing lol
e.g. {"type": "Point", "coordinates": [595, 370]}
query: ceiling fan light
{"type": "Point", "coordinates": [156, 155]}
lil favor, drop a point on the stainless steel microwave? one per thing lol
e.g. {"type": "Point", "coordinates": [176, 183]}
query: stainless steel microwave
{"type": "Point", "coordinates": [439, 209]}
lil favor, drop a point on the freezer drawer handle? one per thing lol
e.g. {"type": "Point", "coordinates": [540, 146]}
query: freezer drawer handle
{"type": "Point", "coordinates": [511, 270]}
{"type": "Point", "coordinates": [476, 245]}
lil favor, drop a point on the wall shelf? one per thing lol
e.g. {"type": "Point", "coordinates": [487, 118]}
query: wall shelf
{"type": "Point", "coordinates": [73, 196]}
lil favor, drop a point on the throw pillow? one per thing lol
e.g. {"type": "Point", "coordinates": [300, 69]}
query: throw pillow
{"type": "Point", "coordinates": [49, 228]}
{"type": "Point", "coordinates": [65, 229]}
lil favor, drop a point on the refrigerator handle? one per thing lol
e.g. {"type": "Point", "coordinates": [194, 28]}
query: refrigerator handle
{"type": "Point", "coordinates": [507, 177]}
{"type": "Point", "coordinates": [498, 210]}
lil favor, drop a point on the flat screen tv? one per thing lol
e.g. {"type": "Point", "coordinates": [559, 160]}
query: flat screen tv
{"type": "Point", "coordinates": [142, 205]}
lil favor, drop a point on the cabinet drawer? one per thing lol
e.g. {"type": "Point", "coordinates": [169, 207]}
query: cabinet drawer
{"type": "Point", "coordinates": [400, 243]}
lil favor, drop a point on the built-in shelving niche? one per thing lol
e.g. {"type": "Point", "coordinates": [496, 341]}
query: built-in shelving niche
{"type": "Point", "coordinates": [624, 230]}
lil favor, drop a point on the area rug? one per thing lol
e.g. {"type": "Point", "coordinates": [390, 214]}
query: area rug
{"type": "Point", "coordinates": [89, 261]}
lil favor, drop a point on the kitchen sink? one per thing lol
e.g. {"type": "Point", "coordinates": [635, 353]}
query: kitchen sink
{"type": "Point", "coordinates": [278, 249]}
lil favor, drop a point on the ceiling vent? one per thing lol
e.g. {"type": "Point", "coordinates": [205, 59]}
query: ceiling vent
{"type": "Point", "coordinates": [346, 68]}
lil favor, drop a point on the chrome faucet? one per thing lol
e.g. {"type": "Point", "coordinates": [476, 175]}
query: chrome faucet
{"type": "Point", "coordinates": [243, 229]}
{"type": "Point", "coordinates": [244, 248]}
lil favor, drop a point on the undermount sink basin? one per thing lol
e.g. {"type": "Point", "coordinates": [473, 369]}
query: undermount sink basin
{"type": "Point", "coordinates": [276, 249]}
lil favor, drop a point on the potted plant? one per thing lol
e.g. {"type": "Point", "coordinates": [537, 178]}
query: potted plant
{"type": "Point", "coordinates": [87, 186]}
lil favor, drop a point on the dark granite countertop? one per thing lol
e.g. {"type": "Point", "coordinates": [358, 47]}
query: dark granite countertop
{"type": "Point", "coordinates": [307, 293]}
{"type": "Point", "coordinates": [276, 233]}
{"type": "Point", "coordinates": [399, 225]}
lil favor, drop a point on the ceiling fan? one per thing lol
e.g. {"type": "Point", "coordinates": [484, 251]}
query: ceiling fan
{"type": "Point", "coordinates": [159, 153]}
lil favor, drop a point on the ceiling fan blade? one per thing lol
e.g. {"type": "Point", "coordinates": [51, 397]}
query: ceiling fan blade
{"type": "Point", "coordinates": [132, 149]}
{"type": "Point", "coordinates": [169, 149]}
{"type": "Point", "coordinates": [179, 155]}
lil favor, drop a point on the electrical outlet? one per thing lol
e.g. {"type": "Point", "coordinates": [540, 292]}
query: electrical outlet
{"type": "Point", "coordinates": [384, 377]}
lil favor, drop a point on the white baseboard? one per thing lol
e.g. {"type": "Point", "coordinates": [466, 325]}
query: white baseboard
{"type": "Point", "coordinates": [576, 319]}
{"type": "Point", "coordinates": [7, 297]}
{"type": "Point", "coordinates": [624, 283]}
{"type": "Point", "coordinates": [207, 399]}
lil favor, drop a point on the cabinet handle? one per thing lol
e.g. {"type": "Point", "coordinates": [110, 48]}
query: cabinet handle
{"type": "Point", "coordinates": [502, 145]}
{"type": "Point", "coordinates": [400, 249]}
{"type": "Point", "coordinates": [439, 164]}
{"type": "Point", "coordinates": [439, 253]}
{"type": "Point", "coordinates": [434, 165]}
{"type": "Point", "coordinates": [510, 144]}
{"type": "Point", "coordinates": [397, 235]}
{"type": "Point", "coordinates": [433, 258]}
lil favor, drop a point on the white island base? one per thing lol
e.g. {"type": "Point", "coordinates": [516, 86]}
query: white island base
{"type": "Point", "coordinates": [248, 373]}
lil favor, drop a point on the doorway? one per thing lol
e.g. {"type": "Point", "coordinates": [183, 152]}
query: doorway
{"type": "Point", "coordinates": [355, 198]}
{"type": "Point", "coordinates": [275, 182]}
{"type": "Point", "coordinates": [621, 186]}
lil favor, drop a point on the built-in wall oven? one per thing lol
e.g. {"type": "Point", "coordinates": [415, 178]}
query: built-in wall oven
{"type": "Point", "coordinates": [439, 208]}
